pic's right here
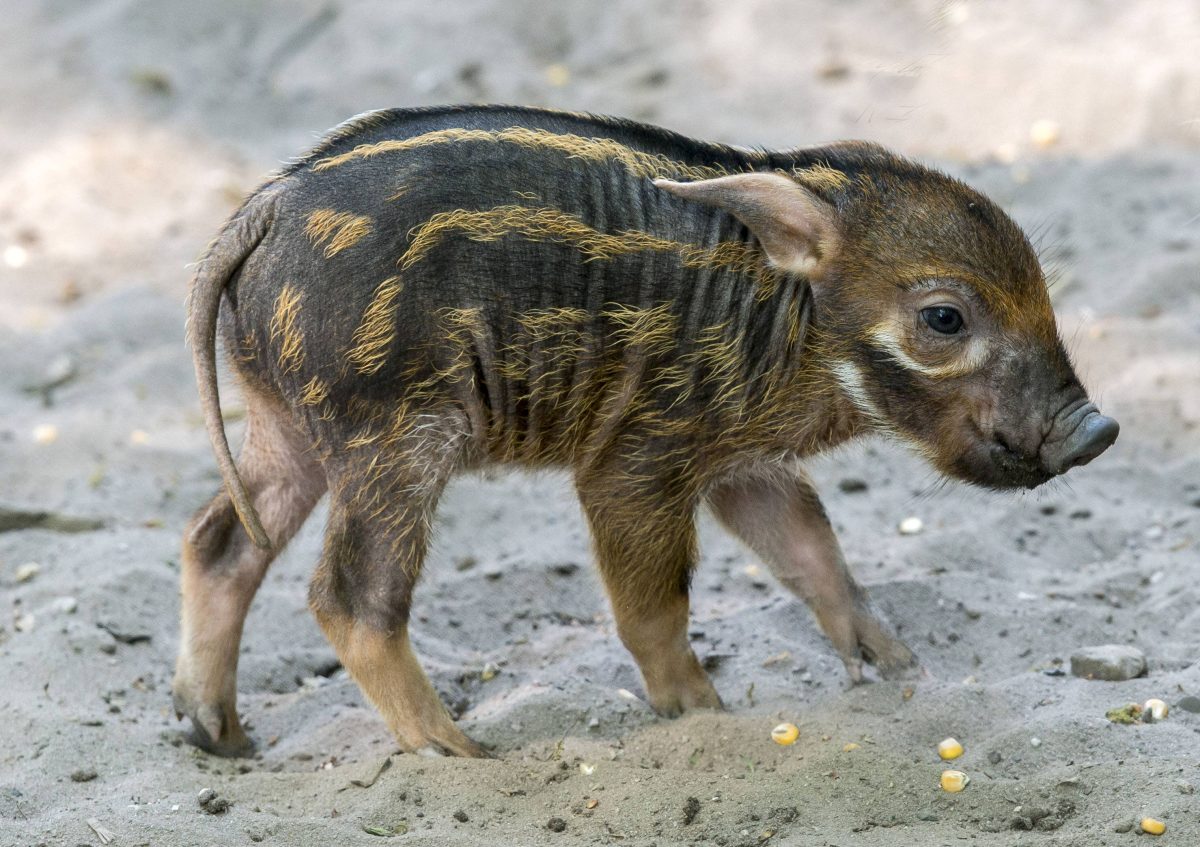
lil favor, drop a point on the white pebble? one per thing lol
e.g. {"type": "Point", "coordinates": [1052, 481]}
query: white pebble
{"type": "Point", "coordinates": [27, 571]}
{"type": "Point", "coordinates": [1035, 742]}
{"type": "Point", "coordinates": [911, 526]}
{"type": "Point", "coordinates": [1044, 133]}
{"type": "Point", "coordinates": [45, 433]}
{"type": "Point", "coordinates": [15, 256]}
{"type": "Point", "coordinates": [1154, 710]}
{"type": "Point", "coordinates": [24, 623]}
{"type": "Point", "coordinates": [65, 605]}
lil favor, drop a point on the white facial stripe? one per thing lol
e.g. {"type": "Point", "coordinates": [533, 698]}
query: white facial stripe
{"type": "Point", "coordinates": [885, 335]}
{"type": "Point", "coordinates": [850, 378]}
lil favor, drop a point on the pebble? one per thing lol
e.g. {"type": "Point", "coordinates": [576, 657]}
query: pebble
{"type": "Point", "coordinates": [1109, 662]}
{"type": "Point", "coordinates": [1189, 703]}
{"type": "Point", "coordinates": [27, 571]}
{"type": "Point", "coordinates": [851, 485]}
{"type": "Point", "coordinates": [45, 433]}
{"type": "Point", "coordinates": [15, 256]}
{"type": "Point", "coordinates": [461, 816]}
{"type": "Point", "coordinates": [1155, 710]}
{"type": "Point", "coordinates": [1035, 742]}
{"type": "Point", "coordinates": [83, 775]}
{"type": "Point", "coordinates": [1044, 133]}
{"type": "Point", "coordinates": [691, 808]}
{"type": "Point", "coordinates": [65, 605]}
{"type": "Point", "coordinates": [911, 526]}
{"type": "Point", "coordinates": [1123, 826]}
{"type": "Point", "coordinates": [212, 802]}
{"type": "Point", "coordinates": [556, 825]}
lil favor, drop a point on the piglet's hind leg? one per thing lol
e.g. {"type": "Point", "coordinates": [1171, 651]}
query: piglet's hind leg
{"type": "Point", "coordinates": [222, 569]}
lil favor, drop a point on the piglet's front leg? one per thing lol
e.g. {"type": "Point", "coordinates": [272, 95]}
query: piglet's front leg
{"type": "Point", "coordinates": [779, 516]}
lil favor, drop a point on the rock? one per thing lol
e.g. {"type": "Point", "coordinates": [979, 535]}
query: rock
{"type": "Point", "coordinates": [556, 825]}
{"type": "Point", "coordinates": [850, 485]}
{"type": "Point", "coordinates": [1189, 703]}
{"type": "Point", "coordinates": [1110, 662]}
{"type": "Point", "coordinates": [27, 571]}
{"type": "Point", "coordinates": [212, 802]}
{"type": "Point", "coordinates": [691, 808]}
{"type": "Point", "coordinates": [83, 775]}
{"type": "Point", "coordinates": [461, 816]}
{"type": "Point", "coordinates": [1123, 826]}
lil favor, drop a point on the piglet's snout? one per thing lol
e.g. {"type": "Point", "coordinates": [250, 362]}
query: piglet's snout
{"type": "Point", "coordinates": [1085, 435]}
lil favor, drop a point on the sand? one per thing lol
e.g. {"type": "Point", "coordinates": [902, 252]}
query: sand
{"type": "Point", "coordinates": [128, 130]}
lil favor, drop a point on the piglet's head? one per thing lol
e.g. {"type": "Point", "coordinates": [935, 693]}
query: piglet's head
{"type": "Point", "coordinates": [929, 308]}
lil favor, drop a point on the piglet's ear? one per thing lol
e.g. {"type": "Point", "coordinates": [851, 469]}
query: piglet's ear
{"type": "Point", "coordinates": [797, 229]}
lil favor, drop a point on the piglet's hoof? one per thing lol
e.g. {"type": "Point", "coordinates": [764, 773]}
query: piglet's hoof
{"type": "Point", "coordinates": [212, 733]}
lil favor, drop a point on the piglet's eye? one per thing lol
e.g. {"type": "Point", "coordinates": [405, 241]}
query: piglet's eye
{"type": "Point", "coordinates": [943, 319]}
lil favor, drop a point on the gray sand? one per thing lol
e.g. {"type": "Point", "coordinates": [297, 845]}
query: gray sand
{"type": "Point", "coordinates": [129, 129]}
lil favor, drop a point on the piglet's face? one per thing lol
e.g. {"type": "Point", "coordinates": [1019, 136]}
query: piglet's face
{"type": "Point", "coordinates": [929, 309]}
{"type": "Point", "coordinates": [945, 336]}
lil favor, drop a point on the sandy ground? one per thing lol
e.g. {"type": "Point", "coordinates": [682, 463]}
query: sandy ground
{"type": "Point", "coordinates": [129, 129]}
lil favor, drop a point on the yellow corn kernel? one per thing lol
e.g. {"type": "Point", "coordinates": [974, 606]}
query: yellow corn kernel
{"type": "Point", "coordinates": [850, 748]}
{"type": "Point", "coordinates": [1153, 826]}
{"type": "Point", "coordinates": [785, 734]}
{"type": "Point", "coordinates": [950, 749]}
{"type": "Point", "coordinates": [1154, 710]}
{"type": "Point", "coordinates": [954, 781]}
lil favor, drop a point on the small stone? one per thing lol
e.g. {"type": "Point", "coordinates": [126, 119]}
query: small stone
{"type": "Point", "coordinates": [83, 775]}
{"type": "Point", "coordinates": [1035, 742]}
{"type": "Point", "coordinates": [1123, 826]}
{"type": "Point", "coordinates": [15, 256]}
{"type": "Point", "coordinates": [27, 571]}
{"type": "Point", "coordinates": [461, 816]}
{"type": "Point", "coordinates": [911, 526]}
{"type": "Point", "coordinates": [558, 75]}
{"type": "Point", "coordinates": [24, 623]}
{"type": "Point", "coordinates": [489, 672]}
{"type": "Point", "coordinates": [994, 757]}
{"type": "Point", "coordinates": [556, 825]}
{"type": "Point", "coordinates": [1154, 710]}
{"type": "Point", "coordinates": [691, 808]}
{"type": "Point", "coordinates": [1185, 787]}
{"type": "Point", "coordinates": [1044, 133]}
{"type": "Point", "coordinates": [851, 485]}
{"type": "Point", "coordinates": [65, 605]}
{"type": "Point", "coordinates": [1109, 662]}
{"type": "Point", "coordinates": [1189, 703]}
{"type": "Point", "coordinates": [45, 433]}
{"type": "Point", "coordinates": [211, 802]}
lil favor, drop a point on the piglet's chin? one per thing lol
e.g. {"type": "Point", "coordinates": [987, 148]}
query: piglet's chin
{"type": "Point", "coordinates": [992, 467]}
